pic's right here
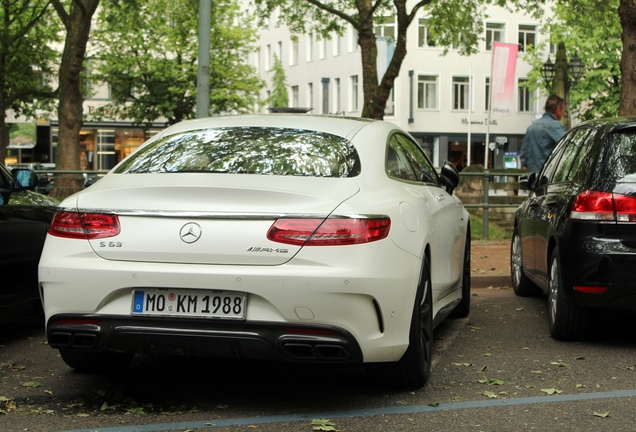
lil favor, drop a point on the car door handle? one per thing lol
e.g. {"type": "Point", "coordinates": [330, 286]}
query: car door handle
{"type": "Point", "coordinates": [440, 197]}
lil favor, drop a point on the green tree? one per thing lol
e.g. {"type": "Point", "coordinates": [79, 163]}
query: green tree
{"type": "Point", "coordinates": [147, 52]}
{"type": "Point", "coordinates": [591, 30]}
{"type": "Point", "coordinates": [26, 60]}
{"type": "Point", "coordinates": [76, 16]}
{"type": "Point", "coordinates": [279, 96]}
{"type": "Point", "coordinates": [446, 18]}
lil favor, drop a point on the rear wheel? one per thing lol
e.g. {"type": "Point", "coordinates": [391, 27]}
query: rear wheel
{"type": "Point", "coordinates": [95, 362]}
{"type": "Point", "coordinates": [414, 368]}
{"type": "Point", "coordinates": [566, 321]}
{"type": "Point", "coordinates": [521, 285]}
{"type": "Point", "coordinates": [463, 307]}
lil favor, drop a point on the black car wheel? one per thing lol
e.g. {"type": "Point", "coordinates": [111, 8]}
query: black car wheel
{"type": "Point", "coordinates": [414, 368]}
{"type": "Point", "coordinates": [521, 285]}
{"type": "Point", "coordinates": [566, 321]}
{"type": "Point", "coordinates": [463, 307]}
{"type": "Point", "coordinates": [95, 362]}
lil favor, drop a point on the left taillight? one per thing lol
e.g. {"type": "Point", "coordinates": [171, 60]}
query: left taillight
{"type": "Point", "coordinates": [329, 232]}
{"type": "Point", "coordinates": [82, 225]}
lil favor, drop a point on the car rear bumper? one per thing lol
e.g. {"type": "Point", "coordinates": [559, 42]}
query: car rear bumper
{"type": "Point", "coordinates": [600, 262]}
{"type": "Point", "coordinates": [210, 338]}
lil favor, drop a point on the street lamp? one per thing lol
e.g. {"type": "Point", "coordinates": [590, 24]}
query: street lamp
{"type": "Point", "coordinates": [561, 75]}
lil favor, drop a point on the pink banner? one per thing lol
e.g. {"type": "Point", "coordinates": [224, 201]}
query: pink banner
{"type": "Point", "coordinates": [502, 78]}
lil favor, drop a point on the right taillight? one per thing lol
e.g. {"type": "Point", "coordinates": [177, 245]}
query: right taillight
{"type": "Point", "coordinates": [603, 206]}
{"type": "Point", "coordinates": [329, 232]}
{"type": "Point", "coordinates": [86, 226]}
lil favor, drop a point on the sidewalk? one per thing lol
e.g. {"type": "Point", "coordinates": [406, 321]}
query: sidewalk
{"type": "Point", "coordinates": [490, 264]}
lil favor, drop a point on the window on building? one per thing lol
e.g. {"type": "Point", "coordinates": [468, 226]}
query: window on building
{"type": "Point", "coordinates": [279, 50]}
{"type": "Point", "coordinates": [337, 44]}
{"type": "Point", "coordinates": [325, 95]}
{"type": "Point", "coordinates": [293, 54]}
{"type": "Point", "coordinates": [353, 106]}
{"type": "Point", "coordinates": [353, 39]}
{"type": "Point", "coordinates": [527, 37]}
{"type": "Point", "coordinates": [495, 32]}
{"type": "Point", "coordinates": [257, 61]}
{"type": "Point", "coordinates": [294, 100]}
{"type": "Point", "coordinates": [487, 93]}
{"type": "Point", "coordinates": [337, 104]}
{"type": "Point", "coordinates": [310, 95]}
{"type": "Point", "coordinates": [269, 96]}
{"type": "Point", "coordinates": [268, 57]}
{"type": "Point", "coordinates": [427, 96]}
{"type": "Point", "coordinates": [322, 48]}
{"type": "Point", "coordinates": [310, 47]}
{"type": "Point", "coordinates": [385, 26]}
{"type": "Point", "coordinates": [460, 93]}
{"type": "Point", "coordinates": [526, 97]}
{"type": "Point", "coordinates": [425, 34]}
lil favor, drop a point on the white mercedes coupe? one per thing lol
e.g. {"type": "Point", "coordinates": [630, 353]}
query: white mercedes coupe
{"type": "Point", "coordinates": [286, 237]}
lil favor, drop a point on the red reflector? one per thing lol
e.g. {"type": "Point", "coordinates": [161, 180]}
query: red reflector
{"type": "Point", "coordinates": [310, 331]}
{"type": "Point", "coordinates": [84, 225]}
{"type": "Point", "coordinates": [590, 289]}
{"type": "Point", "coordinates": [329, 232]}
{"type": "Point", "coordinates": [77, 321]}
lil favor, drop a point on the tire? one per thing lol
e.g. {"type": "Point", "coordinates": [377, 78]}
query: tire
{"type": "Point", "coordinates": [413, 370]}
{"type": "Point", "coordinates": [95, 362]}
{"type": "Point", "coordinates": [463, 307]}
{"type": "Point", "coordinates": [521, 285]}
{"type": "Point", "coordinates": [566, 321]}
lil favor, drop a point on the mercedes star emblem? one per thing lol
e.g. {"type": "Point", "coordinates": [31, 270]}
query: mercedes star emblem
{"type": "Point", "coordinates": [190, 232]}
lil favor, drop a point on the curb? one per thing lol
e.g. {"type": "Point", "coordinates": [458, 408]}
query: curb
{"type": "Point", "coordinates": [490, 281]}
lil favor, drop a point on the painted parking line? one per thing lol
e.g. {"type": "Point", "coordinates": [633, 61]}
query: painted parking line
{"type": "Point", "coordinates": [367, 412]}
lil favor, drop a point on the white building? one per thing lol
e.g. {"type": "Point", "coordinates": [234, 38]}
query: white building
{"type": "Point", "coordinates": [432, 94]}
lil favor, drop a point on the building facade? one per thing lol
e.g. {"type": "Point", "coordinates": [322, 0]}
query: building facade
{"type": "Point", "coordinates": [442, 100]}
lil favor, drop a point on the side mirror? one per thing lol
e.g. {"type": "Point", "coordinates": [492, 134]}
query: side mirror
{"type": "Point", "coordinates": [24, 179]}
{"type": "Point", "coordinates": [528, 182]}
{"type": "Point", "coordinates": [450, 176]}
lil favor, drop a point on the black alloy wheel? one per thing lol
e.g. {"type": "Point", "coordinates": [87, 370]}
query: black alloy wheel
{"type": "Point", "coordinates": [566, 321]}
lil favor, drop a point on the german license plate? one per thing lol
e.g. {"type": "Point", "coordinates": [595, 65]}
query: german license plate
{"type": "Point", "coordinates": [189, 303]}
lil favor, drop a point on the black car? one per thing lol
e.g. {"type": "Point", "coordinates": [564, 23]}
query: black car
{"type": "Point", "coordinates": [24, 220]}
{"type": "Point", "coordinates": [575, 235]}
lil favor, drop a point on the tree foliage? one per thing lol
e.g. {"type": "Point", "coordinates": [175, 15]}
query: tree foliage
{"type": "Point", "coordinates": [279, 96]}
{"type": "Point", "coordinates": [591, 30]}
{"type": "Point", "coordinates": [27, 30]}
{"type": "Point", "coordinates": [456, 22]}
{"type": "Point", "coordinates": [147, 52]}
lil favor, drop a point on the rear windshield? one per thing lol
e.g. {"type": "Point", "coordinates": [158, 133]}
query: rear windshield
{"type": "Point", "coordinates": [248, 150]}
{"type": "Point", "coordinates": [621, 160]}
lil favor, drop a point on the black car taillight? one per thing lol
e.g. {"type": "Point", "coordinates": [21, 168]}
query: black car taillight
{"type": "Point", "coordinates": [84, 225]}
{"type": "Point", "coordinates": [603, 206]}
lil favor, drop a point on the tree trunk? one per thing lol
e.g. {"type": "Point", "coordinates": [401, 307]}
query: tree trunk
{"type": "Point", "coordinates": [70, 110]}
{"type": "Point", "coordinates": [377, 92]}
{"type": "Point", "coordinates": [627, 13]}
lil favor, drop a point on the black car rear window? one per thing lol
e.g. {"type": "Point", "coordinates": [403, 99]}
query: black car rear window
{"type": "Point", "coordinates": [621, 159]}
{"type": "Point", "coordinates": [248, 150]}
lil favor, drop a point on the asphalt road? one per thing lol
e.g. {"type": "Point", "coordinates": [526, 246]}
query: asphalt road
{"type": "Point", "coordinates": [497, 370]}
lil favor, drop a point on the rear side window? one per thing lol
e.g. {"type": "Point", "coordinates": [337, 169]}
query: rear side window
{"type": "Point", "coordinates": [248, 150]}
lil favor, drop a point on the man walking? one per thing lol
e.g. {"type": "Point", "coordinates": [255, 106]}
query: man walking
{"type": "Point", "coordinates": [543, 134]}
